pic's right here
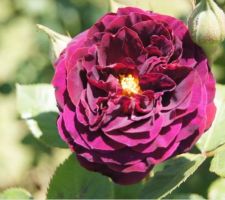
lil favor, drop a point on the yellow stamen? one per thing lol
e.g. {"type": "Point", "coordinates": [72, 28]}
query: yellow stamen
{"type": "Point", "coordinates": [130, 85]}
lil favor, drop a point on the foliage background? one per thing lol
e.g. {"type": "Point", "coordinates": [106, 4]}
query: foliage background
{"type": "Point", "coordinates": [24, 58]}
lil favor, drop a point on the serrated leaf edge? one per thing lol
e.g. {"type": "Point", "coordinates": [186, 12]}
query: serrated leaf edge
{"type": "Point", "coordinates": [183, 180]}
{"type": "Point", "coordinates": [53, 175]}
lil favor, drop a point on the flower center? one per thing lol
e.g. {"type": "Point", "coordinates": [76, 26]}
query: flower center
{"type": "Point", "coordinates": [130, 85]}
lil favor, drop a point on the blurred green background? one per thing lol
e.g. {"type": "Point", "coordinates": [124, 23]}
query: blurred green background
{"type": "Point", "coordinates": [24, 58]}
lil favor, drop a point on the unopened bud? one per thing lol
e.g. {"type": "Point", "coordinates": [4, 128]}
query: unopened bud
{"type": "Point", "coordinates": [207, 26]}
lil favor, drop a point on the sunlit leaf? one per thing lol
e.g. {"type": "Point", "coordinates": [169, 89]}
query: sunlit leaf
{"type": "Point", "coordinates": [176, 8]}
{"type": "Point", "coordinates": [176, 171]}
{"type": "Point", "coordinates": [144, 4]}
{"type": "Point", "coordinates": [35, 99]}
{"type": "Point", "coordinates": [187, 197]}
{"type": "Point", "coordinates": [215, 136]}
{"type": "Point", "coordinates": [216, 190]}
{"type": "Point", "coordinates": [73, 181]}
{"type": "Point", "coordinates": [218, 163]}
{"type": "Point", "coordinates": [15, 193]}
{"type": "Point", "coordinates": [37, 106]}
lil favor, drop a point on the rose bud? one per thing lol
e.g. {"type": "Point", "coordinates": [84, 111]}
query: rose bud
{"type": "Point", "coordinates": [207, 26]}
{"type": "Point", "coordinates": [132, 91]}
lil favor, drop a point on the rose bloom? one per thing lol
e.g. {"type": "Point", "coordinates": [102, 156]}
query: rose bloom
{"type": "Point", "coordinates": [132, 91]}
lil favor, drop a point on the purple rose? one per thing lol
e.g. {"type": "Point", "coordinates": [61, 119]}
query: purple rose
{"type": "Point", "coordinates": [133, 91]}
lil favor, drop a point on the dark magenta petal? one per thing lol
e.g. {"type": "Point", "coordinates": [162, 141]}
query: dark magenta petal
{"type": "Point", "coordinates": [178, 27]}
{"type": "Point", "coordinates": [195, 121]}
{"type": "Point", "coordinates": [68, 118]}
{"type": "Point", "coordinates": [138, 127]}
{"type": "Point", "coordinates": [118, 177]}
{"type": "Point", "coordinates": [208, 78]}
{"type": "Point", "coordinates": [210, 113]}
{"type": "Point", "coordinates": [101, 24]}
{"type": "Point", "coordinates": [71, 52]}
{"type": "Point", "coordinates": [125, 67]}
{"type": "Point", "coordinates": [65, 135]}
{"type": "Point", "coordinates": [122, 156]}
{"type": "Point", "coordinates": [144, 103]}
{"type": "Point", "coordinates": [146, 29]}
{"type": "Point", "coordinates": [89, 60]}
{"type": "Point", "coordinates": [166, 136]}
{"type": "Point", "coordinates": [118, 122]}
{"type": "Point", "coordinates": [178, 50]}
{"type": "Point", "coordinates": [123, 135]}
{"type": "Point", "coordinates": [162, 154]}
{"type": "Point", "coordinates": [182, 91]}
{"type": "Point", "coordinates": [178, 74]}
{"type": "Point", "coordinates": [191, 52]}
{"type": "Point", "coordinates": [59, 81]}
{"type": "Point", "coordinates": [112, 49]}
{"type": "Point", "coordinates": [164, 45]}
{"type": "Point", "coordinates": [75, 83]}
{"type": "Point", "coordinates": [153, 64]}
{"type": "Point", "coordinates": [115, 25]}
{"type": "Point", "coordinates": [156, 82]}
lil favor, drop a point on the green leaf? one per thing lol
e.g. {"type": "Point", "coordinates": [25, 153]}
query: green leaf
{"type": "Point", "coordinates": [187, 197]}
{"type": "Point", "coordinates": [73, 181]}
{"type": "Point", "coordinates": [216, 190]}
{"type": "Point", "coordinates": [37, 106]}
{"type": "Point", "coordinates": [215, 136]}
{"type": "Point", "coordinates": [133, 191]}
{"type": "Point", "coordinates": [218, 163]}
{"type": "Point", "coordinates": [15, 193]}
{"type": "Point", "coordinates": [59, 42]}
{"type": "Point", "coordinates": [47, 124]}
{"type": "Point", "coordinates": [127, 192]}
{"type": "Point", "coordinates": [176, 171]}
{"type": "Point", "coordinates": [182, 9]}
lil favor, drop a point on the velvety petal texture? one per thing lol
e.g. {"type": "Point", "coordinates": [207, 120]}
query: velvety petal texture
{"type": "Point", "coordinates": [120, 133]}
